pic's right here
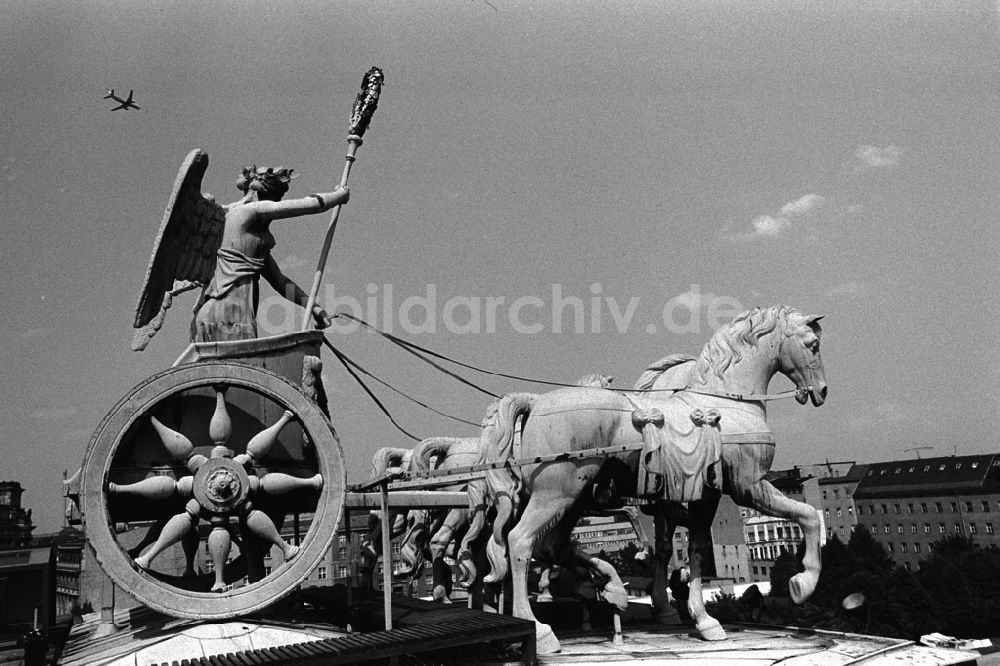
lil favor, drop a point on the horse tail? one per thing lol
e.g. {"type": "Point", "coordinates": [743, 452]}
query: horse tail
{"type": "Point", "coordinates": [497, 443]}
{"type": "Point", "coordinates": [386, 457]}
{"type": "Point", "coordinates": [477, 520]}
{"type": "Point", "coordinates": [428, 449]}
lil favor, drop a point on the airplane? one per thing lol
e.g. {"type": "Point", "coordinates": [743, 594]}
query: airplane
{"type": "Point", "coordinates": [122, 103]}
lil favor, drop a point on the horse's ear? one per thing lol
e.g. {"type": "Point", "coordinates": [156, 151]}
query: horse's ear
{"type": "Point", "coordinates": [813, 319]}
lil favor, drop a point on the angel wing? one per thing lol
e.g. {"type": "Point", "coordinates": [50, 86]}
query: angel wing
{"type": "Point", "coordinates": [184, 251]}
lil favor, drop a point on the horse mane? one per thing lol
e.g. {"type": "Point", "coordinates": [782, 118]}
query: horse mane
{"type": "Point", "coordinates": [723, 350]}
{"type": "Point", "coordinates": [653, 372]}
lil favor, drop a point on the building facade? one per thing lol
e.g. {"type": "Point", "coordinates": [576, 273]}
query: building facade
{"type": "Point", "coordinates": [768, 537]}
{"type": "Point", "coordinates": [907, 505]}
{"type": "Point", "coordinates": [15, 522]}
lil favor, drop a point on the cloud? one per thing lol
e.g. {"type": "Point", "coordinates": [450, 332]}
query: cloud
{"type": "Point", "coordinates": [868, 157]}
{"type": "Point", "coordinates": [802, 206]}
{"type": "Point", "coordinates": [54, 414]}
{"type": "Point", "coordinates": [789, 215]}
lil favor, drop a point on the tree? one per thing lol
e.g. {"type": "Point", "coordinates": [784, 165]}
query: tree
{"type": "Point", "coordinates": [786, 566]}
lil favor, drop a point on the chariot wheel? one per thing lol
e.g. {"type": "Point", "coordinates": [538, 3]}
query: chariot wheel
{"type": "Point", "coordinates": [189, 481]}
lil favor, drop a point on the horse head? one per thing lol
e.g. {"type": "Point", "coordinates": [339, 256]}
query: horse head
{"type": "Point", "coordinates": [744, 354]}
{"type": "Point", "coordinates": [799, 358]}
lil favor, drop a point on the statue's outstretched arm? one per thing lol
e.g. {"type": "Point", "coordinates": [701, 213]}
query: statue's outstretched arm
{"type": "Point", "coordinates": [314, 203]}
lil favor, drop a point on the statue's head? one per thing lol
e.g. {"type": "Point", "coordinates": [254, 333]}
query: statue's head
{"type": "Point", "coordinates": [269, 183]}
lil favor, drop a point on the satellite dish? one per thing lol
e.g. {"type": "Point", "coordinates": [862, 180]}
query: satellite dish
{"type": "Point", "coordinates": [854, 601]}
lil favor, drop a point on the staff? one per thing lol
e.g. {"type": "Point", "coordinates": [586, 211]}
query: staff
{"type": "Point", "coordinates": [361, 116]}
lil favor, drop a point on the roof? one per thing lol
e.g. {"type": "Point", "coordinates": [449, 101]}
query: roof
{"type": "Point", "coordinates": [931, 476]}
{"type": "Point", "coordinates": [854, 475]}
{"type": "Point", "coordinates": [25, 557]}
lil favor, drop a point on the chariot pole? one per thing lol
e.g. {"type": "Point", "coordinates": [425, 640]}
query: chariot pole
{"type": "Point", "coordinates": [361, 116]}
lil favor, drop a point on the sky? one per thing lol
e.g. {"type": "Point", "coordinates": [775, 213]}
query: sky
{"type": "Point", "coordinates": [656, 166]}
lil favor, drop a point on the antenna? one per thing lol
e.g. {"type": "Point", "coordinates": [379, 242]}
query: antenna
{"type": "Point", "coordinates": [918, 449]}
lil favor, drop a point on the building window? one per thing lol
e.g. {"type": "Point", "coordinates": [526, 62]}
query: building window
{"type": "Point", "coordinates": [871, 509]}
{"type": "Point", "coordinates": [824, 494]}
{"type": "Point", "coordinates": [986, 506]}
{"type": "Point", "coordinates": [930, 547]}
{"type": "Point", "coordinates": [909, 508]}
{"type": "Point", "coordinates": [892, 549]}
{"type": "Point", "coordinates": [937, 507]}
{"type": "Point", "coordinates": [989, 528]}
{"type": "Point", "coordinates": [954, 506]}
{"type": "Point", "coordinates": [836, 494]}
{"type": "Point", "coordinates": [916, 547]}
{"type": "Point", "coordinates": [958, 528]}
{"type": "Point", "coordinates": [885, 509]}
{"type": "Point", "coordinates": [342, 571]}
{"type": "Point", "coordinates": [923, 507]}
{"type": "Point", "coordinates": [968, 507]}
{"type": "Point", "coordinates": [907, 565]}
{"type": "Point", "coordinates": [972, 528]}
{"type": "Point", "coordinates": [322, 573]}
{"type": "Point", "coordinates": [888, 529]}
{"type": "Point", "coordinates": [896, 508]}
{"type": "Point", "coordinates": [941, 528]}
{"type": "Point", "coordinates": [899, 528]}
{"type": "Point", "coordinates": [874, 529]}
{"type": "Point", "coordinates": [902, 547]}
{"type": "Point", "coordinates": [927, 468]}
{"type": "Point", "coordinates": [927, 528]}
{"type": "Point", "coordinates": [850, 511]}
{"type": "Point", "coordinates": [913, 528]}
{"type": "Point", "coordinates": [839, 513]}
{"type": "Point", "coordinates": [267, 571]}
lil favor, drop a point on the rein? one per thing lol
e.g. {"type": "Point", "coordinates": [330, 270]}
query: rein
{"type": "Point", "coordinates": [744, 397]}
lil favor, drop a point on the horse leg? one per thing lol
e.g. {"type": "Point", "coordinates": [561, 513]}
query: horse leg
{"type": "Point", "coordinates": [439, 543]}
{"type": "Point", "coordinates": [666, 517]}
{"type": "Point", "coordinates": [541, 513]}
{"type": "Point", "coordinates": [768, 499]}
{"type": "Point", "coordinates": [700, 516]}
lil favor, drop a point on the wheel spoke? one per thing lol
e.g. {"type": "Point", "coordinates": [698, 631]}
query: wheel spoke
{"type": "Point", "coordinates": [173, 531]}
{"type": "Point", "coordinates": [276, 483]}
{"type": "Point", "coordinates": [219, 544]}
{"type": "Point", "coordinates": [153, 488]}
{"type": "Point", "coordinates": [263, 527]}
{"type": "Point", "coordinates": [179, 446]}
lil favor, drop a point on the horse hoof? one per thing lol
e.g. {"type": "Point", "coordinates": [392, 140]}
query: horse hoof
{"type": "Point", "coordinates": [545, 640]}
{"type": "Point", "coordinates": [800, 587]}
{"type": "Point", "coordinates": [710, 630]}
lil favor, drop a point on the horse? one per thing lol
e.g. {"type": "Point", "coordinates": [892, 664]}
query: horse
{"type": "Point", "coordinates": [385, 459]}
{"type": "Point", "coordinates": [433, 531]}
{"type": "Point", "coordinates": [715, 438]}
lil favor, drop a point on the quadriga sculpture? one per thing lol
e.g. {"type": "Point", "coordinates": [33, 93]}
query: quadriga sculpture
{"type": "Point", "coordinates": [701, 438]}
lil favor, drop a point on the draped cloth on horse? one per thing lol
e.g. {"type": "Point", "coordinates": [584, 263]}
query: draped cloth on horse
{"type": "Point", "coordinates": [682, 447]}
